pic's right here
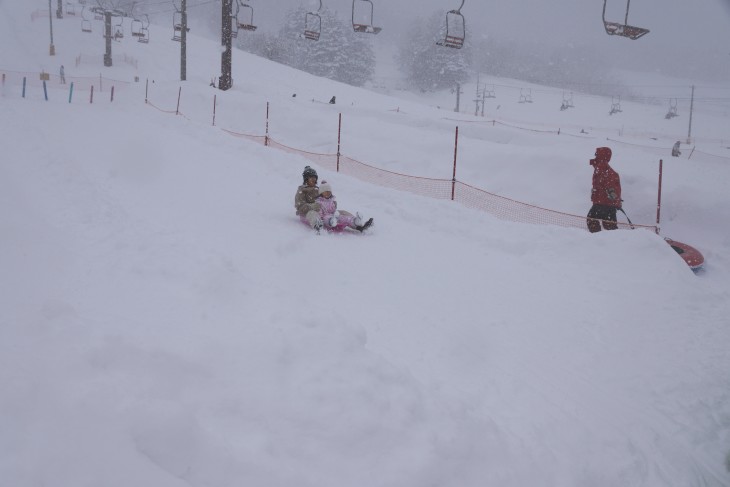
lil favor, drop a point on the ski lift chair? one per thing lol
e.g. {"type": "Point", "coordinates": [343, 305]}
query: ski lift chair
{"type": "Point", "coordinates": [615, 105]}
{"type": "Point", "coordinates": [85, 23]}
{"type": "Point", "coordinates": [234, 26]}
{"type": "Point", "coordinates": [144, 35]}
{"type": "Point", "coordinates": [525, 95]}
{"type": "Point", "coordinates": [672, 109]}
{"type": "Point", "coordinates": [623, 30]}
{"type": "Point", "coordinates": [136, 28]}
{"type": "Point", "coordinates": [313, 24]}
{"type": "Point", "coordinates": [455, 29]}
{"type": "Point", "coordinates": [234, 21]}
{"type": "Point", "coordinates": [367, 27]}
{"type": "Point", "coordinates": [567, 102]}
{"type": "Point", "coordinates": [177, 26]}
{"type": "Point", "coordinates": [119, 29]}
{"type": "Point", "coordinates": [247, 22]}
{"type": "Point", "coordinates": [144, 32]}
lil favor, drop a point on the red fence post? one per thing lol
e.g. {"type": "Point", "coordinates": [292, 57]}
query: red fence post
{"type": "Point", "coordinates": [659, 200]}
{"type": "Point", "coordinates": [453, 178]}
{"type": "Point", "coordinates": [266, 138]}
{"type": "Point", "coordinates": [339, 138]}
{"type": "Point", "coordinates": [177, 110]}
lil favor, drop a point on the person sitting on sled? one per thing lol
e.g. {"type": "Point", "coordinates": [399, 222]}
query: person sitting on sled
{"type": "Point", "coordinates": [305, 201]}
{"type": "Point", "coordinates": [334, 219]}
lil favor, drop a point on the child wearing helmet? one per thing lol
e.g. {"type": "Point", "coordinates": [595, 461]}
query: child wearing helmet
{"type": "Point", "coordinates": [334, 219]}
{"type": "Point", "coordinates": [305, 201]}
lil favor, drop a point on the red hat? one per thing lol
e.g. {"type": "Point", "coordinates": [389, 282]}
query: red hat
{"type": "Point", "coordinates": [603, 154]}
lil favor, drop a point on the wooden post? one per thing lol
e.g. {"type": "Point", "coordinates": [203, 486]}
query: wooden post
{"type": "Point", "coordinates": [146, 90]}
{"type": "Point", "coordinates": [45, 90]}
{"type": "Point", "coordinates": [71, 92]}
{"type": "Point", "coordinates": [91, 96]}
{"type": "Point", "coordinates": [177, 110]}
{"type": "Point", "coordinates": [112, 98]}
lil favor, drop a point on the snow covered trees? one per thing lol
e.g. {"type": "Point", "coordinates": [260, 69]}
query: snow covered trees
{"type": "Point", "coordinates": [340, 54]}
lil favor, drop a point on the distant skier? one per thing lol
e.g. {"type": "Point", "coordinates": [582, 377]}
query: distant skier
{"type": "Point", "coordinates": [605, 194]}
{"type": "Point", "coordinates": [305, 201]}
{"type": "Point", "coordinates": [334, 219]}
{"type": "Point", "coordinates": [675, 149]}
{"type": "Point", "coordinates": [332, 100]}
{"type": "Point", "coordinates": [62, 73]}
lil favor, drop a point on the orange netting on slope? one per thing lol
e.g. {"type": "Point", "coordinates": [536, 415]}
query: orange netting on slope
{"type": "Point", "coordinates": [469, 196]}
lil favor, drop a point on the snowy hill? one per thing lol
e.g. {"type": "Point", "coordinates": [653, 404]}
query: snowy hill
{"type": "Point", "coordinates": [167, 321]}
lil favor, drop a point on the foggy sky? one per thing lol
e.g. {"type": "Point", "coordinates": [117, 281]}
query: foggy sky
{"type": "Point", "coordinates": [685, 30]}
{"type": "Point", "coordinates": [688, 39]}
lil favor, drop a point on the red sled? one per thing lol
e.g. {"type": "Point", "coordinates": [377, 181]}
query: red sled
{"type": "Point", "coordinates": [691, 255]}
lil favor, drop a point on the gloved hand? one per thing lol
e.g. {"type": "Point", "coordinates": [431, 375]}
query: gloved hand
{"type": "Point", "coordinates": [337, 213]}
{"type": "Point", "coordinates": [612, 194]}
{"type": "Point", "coordinates": [332, 221]}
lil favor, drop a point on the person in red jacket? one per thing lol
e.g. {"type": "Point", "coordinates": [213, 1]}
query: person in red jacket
{"type": "Point", "coordinates": [606, 193]}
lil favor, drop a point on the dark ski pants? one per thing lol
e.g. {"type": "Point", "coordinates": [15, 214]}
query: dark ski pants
{"type": "Point", "coordinates": [601, 214]}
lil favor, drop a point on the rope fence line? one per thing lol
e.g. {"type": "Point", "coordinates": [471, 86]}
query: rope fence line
{"type": "Point", "coordinates": [83, 83]}
{"type": "Point", "coordinates": [686, 153]}
{"type": "Point", "coordinates": [444, 189]}
{"type": "Point", "coordinates": [587, 135]}
{"type": "Point", "coordinates": [174, 112]}
{"type": "Point", "coordinates": [98, 59]}
{"type": "Point", "coordinates": [656, 149]}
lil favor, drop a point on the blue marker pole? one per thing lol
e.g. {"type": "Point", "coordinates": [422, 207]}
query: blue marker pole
{"type": "Point", "coordinates": [23, 86]}
{"type": "Point", "coordinates": [71, 92]}
{"type": "Point", "coordinates": [45, 91]}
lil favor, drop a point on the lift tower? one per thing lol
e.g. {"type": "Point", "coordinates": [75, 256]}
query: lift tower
{"type": "Point", "coordinates": [225, 81]}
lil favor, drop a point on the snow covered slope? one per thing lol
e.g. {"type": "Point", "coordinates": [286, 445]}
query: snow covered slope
{"type": "Point", "coordinates": [166, 320]}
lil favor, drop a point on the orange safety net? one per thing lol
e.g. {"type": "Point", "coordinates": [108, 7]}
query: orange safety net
{"type": "Point", "coordinates": [465, 194]}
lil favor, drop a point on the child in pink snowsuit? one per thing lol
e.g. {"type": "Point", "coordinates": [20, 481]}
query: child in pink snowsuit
{"type": "Point", "coordinates": [333, 219]}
